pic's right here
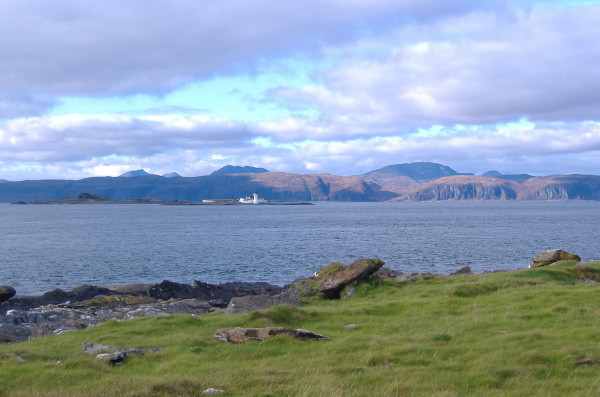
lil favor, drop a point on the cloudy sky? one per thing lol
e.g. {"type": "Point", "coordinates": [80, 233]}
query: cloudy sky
{"type": "Point", "coordinates": [339, 86]}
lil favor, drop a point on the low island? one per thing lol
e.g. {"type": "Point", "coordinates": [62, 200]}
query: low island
{"type": "Point", "coordinates": [87, 198]}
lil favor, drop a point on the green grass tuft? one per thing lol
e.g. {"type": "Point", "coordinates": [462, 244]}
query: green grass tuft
{"type": "Point", "coordinates": [285, 316]}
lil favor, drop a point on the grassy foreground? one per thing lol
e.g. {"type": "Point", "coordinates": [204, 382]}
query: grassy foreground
{"type": "Point", "coordinates": [529, 332]}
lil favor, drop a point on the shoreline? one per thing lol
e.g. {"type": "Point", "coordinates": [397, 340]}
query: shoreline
{"type": "Point", "coordinates": [25, 317]}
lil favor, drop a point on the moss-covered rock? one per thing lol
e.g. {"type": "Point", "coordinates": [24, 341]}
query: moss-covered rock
{"type": "Point", "coordinates": [549, 257]}
{"type": "Point", "coordinates": [359, 271]}
{"type": "Point", "coordinates": [307, 288]}
{"type": "Point", "coordinates": [6, 292]}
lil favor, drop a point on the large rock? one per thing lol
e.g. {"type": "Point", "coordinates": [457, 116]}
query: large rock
{"type": "Point", "coordinates": [171, 290]}
{"type": "Point", "coordinates": [131, 289]}
{"type": "Point", "coordinates": [113, 355]}
{"type": "Point", "coordinates": [210, 292]}
{"type": "Point", "coordinates": [77, 294]}
{"type": "Point", "coordinates": [259, 302]}
{"type": "Point", "coordinates": [549, 257]}
{"type": "Point", "coordinates": [6, 292]}
{"type": "Point", "coordinates": [242, 335]}
{"type": "Point", "coordinates": [360, 270]}
{"type": "Point", "coordinates": [307, 288]}
{"type": "Point", "coordinates": [462, 270]}
{"type": "Point", "coordinates": [215, 293]}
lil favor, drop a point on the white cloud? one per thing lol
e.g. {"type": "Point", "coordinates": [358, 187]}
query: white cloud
{"type": "Point", "coordinates": [539, 63]}
{"type": "Point", "coordinates": [392, 82]}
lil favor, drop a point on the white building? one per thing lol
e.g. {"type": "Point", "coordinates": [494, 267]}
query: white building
{"type": "Point", "coordinates": [255, 199]}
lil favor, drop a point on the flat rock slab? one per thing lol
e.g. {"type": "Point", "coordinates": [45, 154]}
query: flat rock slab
{"type": "Point", "coordinates": [243, 335]}
{"type": "Point", "coordinates": [112, 354]}
{"type": "Point", "coordinates": [259, 302]}
{"type": "Point", "coordinates": [360, 270]}
{"type": "Point", "coordinates": [549, 257]}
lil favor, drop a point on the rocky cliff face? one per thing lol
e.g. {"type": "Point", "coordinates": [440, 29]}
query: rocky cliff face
{"type": "Point", "coordinates": [464, 188]}
{"type": "Point", "coordinates": [471, 191]}
{"type": "Point", "coordinates": [562, 187]}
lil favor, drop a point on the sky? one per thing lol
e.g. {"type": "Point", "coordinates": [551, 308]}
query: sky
{"type": "Point", "coordinates": [330, 86]}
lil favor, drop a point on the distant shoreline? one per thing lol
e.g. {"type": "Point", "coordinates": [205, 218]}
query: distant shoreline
{"type": "Point", "coordinates": [86, 198]}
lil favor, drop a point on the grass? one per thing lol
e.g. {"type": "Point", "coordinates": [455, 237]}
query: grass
{"type": "Point", "coordinates": [530, 332]}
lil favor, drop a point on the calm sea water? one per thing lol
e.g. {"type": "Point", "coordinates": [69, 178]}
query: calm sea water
{"type": "Point", "coordinates": [43, 247]}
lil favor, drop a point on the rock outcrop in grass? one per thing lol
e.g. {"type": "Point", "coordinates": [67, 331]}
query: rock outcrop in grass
{"type": "Point", "coordinates": [243, 335]}
{"type": "Point", "coordinates": [549, 257]}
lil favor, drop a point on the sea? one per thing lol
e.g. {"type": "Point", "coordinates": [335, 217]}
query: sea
{"type": "Point", "coordinates": [44, 247]}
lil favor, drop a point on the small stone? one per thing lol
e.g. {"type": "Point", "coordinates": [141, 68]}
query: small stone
{"type": "Point", "coordinates": [113, 358]}
{"type": "Point", "coordinates": [350, 326]}
{"type": "Point", "coordinates": [258, 302]}
{"type": "Point", "coordinates": [94, 348]}
{"type": "Point", "coordinates": [212, 390]}
{"type": "Point", "coordinates": [584, 362]}
{"type": "Point", "coordinates": [243, 335]}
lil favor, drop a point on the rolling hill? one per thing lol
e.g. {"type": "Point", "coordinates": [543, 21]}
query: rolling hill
{"type": "Point", "coordinates": [401, 182]}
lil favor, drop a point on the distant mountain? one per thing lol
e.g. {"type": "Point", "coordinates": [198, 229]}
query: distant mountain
{"type": "Point", "coordinates": [400, 177]}
{"type": "Point", "coordinates": [419, 171]}
{"type": "Point", "coordinates": [134, 174]}
{"type": "Point", "coordinates": [232, 169]}
{"type": "Point", "coordinates": [403, 182]}
{"type": "Point", "coordinates": [172, 175]}
{"type": "Point", "coordinates": [512, 177]}
{"type": "Point", "coordinates": [271, 185]}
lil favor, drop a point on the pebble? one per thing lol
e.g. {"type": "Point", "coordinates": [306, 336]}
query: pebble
{"type": "Point", "coordinates": [213, 391]}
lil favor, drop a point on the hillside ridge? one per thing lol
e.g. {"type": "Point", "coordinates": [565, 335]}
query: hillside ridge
{"type": "Point", "coordinates": [401, 182]}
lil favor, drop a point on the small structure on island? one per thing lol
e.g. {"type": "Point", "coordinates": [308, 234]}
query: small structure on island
{"type": "Point", "coordinates": [255, 199]}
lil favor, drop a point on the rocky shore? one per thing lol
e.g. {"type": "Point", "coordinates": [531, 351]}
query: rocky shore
{"type": "Point", "coordinates": [57, 311]}
{"type": "Point", "coordinates": [26, 317]}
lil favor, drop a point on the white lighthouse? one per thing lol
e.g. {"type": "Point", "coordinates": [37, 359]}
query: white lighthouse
{"type": "Point", "coordinates": [255, 199]}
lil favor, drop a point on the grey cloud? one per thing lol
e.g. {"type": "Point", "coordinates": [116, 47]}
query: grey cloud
{"type": "Point", "coordinates": [20, 105]}
{"type": "Point", "coordinates": [74, 138]}
{"type": "Point", "coordinates": [66, 47]}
